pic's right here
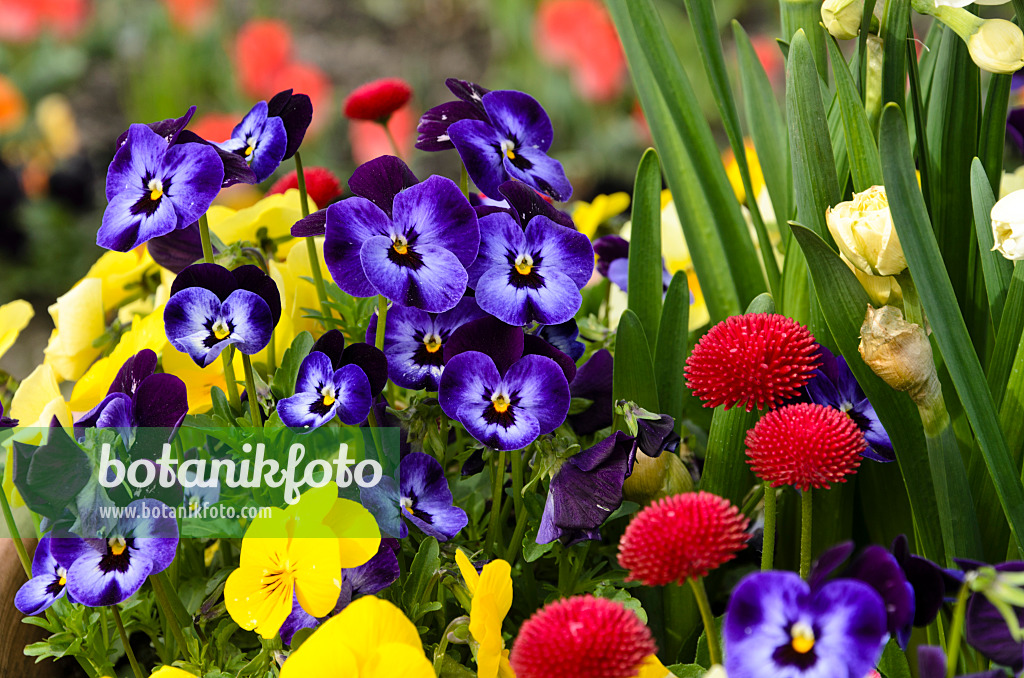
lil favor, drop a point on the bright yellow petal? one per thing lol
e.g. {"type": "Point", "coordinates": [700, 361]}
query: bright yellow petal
{"type": "Point", "coordinates": [317, 573]}
{"type": "Point", "coordinates": [311, 509]}
{"type": "Point", "coordinates": [255, 603]}
{"type": "Point", "coordinates": [275, 213]}
{"type": "Point", "coordinates": [38, 400]}
{"type": "Point", "coordinates": [505, 668]}
{"type": "Point", "coordinates": [14, 317]}
{"type": "Point", "coordinates": [357, 531]}
{"type": "Point", "coordinates": [491, 602]}
{"type": "Point", "coordinates": [119, 272]}
{"type": "Point", "coordinates": [653, 668]}
{"type": "Point", "coordinates": [79, 319]}
{"type": "Point", "coordinates": [496, 581]}
{"type": "Point", "coordinates": [369, 622]}
{"type": "Point", "coordinates": [323, 655]}
{"type": "Point", "coordinates": [392, 659]}
{"type": "Point", "coordinates": [469, 573]}
{"type": "Point", "coordinates": [199, 381]}
{"type": "Point", "coordinates": [171, 672]}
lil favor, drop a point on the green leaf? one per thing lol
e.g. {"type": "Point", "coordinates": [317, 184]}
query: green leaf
{"type": "Point", "coordinates": [283, 383]}
{"type": "Point", "coordinates": [844, 313]}
{"type": "Point", "coordinates": [645, 284]}
{"type": "Point", "coordinates": [687, 670]}
{"type": "Point", "coordinates": [1010, 327]}
{"type": "Point", "coordinates": [895, 23]}
{"type": "Point", "coordinates": [805, 15]}
{"type": "Point", "coordinates": [893, 663]}
{"type": "Point", "coordinates": [633, 371]}
{"type": "Point", "coordinates": [910, 217]}
{"type": "Point", "coordinates": [993, 127]}
{"type": "Point", "coordinates": [860, 142]}
{"type": "Point", "coordinates": [673, 348]}
{"type": "Point", "coordinates": [424, 566]}
{"type": "Point", "coordinates": [995, 266]}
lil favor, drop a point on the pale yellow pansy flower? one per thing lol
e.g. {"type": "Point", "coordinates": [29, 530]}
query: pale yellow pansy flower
{"type": "Point", "coordinates": [14, 317]}
{"type": "Point", "coordinates": [276, 213]}
{"type": "Point", "coordinates": [297, 291]}
{"type": "Point", "coordinates": [79, 320]}
{"type": "Point", "coordinates": [588, 216]}
{"type": "Point", "coordinates": [120, 273]}
{"type": "Point", "coordinates": [491, 592]}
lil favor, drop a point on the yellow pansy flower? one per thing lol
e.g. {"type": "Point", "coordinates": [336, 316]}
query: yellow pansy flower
{"type": "Point", "coordinates": [276, 213]}
{"type": "Point", "coordinates": [14, 317]}
{"type": "Point", "coordinates": [732, 170]}
{"type": "Point", "coordinates": [298, 293]}
{"type": "Point", "coordinates": [199, 381]}
{"type": "Point", "coordinates": [79, 320]}
{"type": "Point", "coordinates": [653, 668]}
{"type": "Point", "coordinates": [370, 638]}
{"type": "Point", "coordinates": [171, 672]}
{"type": "Point", "coordinates": [491, 592]}
{"type": "Point", "coordinates": [296, 552]}
{"type": "Point", "coordinates": [118, 271]}
{"type": "Point", "coordinates": [588, 216]}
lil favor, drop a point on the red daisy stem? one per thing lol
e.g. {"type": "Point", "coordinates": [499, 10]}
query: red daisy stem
{"type": "Point", "coordinates": [314, 258]}
{"type": "Point", "coordinates": [391, 137]}
{"type": "Point", "coordinates": [768, 540]}
{"type": "Point", "coordinates": [806, 515]}
{"type": "Point", "coordinates": [710, 632]}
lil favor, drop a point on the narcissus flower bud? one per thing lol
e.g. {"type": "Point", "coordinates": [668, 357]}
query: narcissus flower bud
{"type": "Point", "coordinates": [842, 17]}
{"type": "Point", "coordinates": [997, 46]}
{"type": "Point", "coordinates": [1008, 226]}
{"type": "Point", "coordinates": [864, 231]}
{"type": "Point", "coordinates": [899, 352]}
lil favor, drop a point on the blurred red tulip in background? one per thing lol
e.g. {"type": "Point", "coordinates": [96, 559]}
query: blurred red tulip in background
{"type": "Point", "coordinates": [580, 34]}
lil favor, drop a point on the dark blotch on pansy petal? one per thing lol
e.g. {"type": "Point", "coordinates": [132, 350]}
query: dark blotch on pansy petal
{"type": "Point", "coordinates": [313, 225]}
{"type": "Point", "coordinates": [504, 344]}
{"type": "Point", "coordinates": [372, 361]}
{"type": "Point", "coordinates": [178, 249]}
{"type": "Point", "coordinates": [253, 279]}
{"type": "Point", "coordinates": [470, 92]}
{"type": "Point", "coordinates": [212, 277]}
{"type": "Point", "coordinates": [296, 111]}
{"type": "Point", "coordinates": [593, 382]}
{"type": "Point", "coordinates": [876, 567]}
{"type": "Point", "coordinates": [380, 180]}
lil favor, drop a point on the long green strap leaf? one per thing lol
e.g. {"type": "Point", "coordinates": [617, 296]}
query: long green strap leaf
{"type": "Point", "coordinates": [895, 22]}
{"type": "Point", "coordinates": [633, 370]}
{"type": "Point", "coordinates": [993, 128]}
{"type": "Point", "coordinates": [673, 348]}
{"type": "Point", "coordinates": [995, 266]}
{"type": "Point", "coordinates": [910, 217]}
{"type": "Point", "coordinates": [1010, 327]}
{"type": "Point", "coordinates": [645, 284]}
{"type": "Point", "coordinates": [860, 142]}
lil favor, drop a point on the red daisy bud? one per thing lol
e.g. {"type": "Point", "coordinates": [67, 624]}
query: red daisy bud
{"type": "Point", "coordinates": [805, 445]}
{"type": "Point", "coordinates": [682, 537]}
{"type": "Point", "coordinates": [377, 100]}
{"type": "Point", "coordinates": [756, 360]}
{"type": "Point", "coordinates": [581, 637]}
{"type": "Point", "coordinates": [321, 185]}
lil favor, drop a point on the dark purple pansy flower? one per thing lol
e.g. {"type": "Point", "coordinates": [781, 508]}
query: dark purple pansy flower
{"type": "Point", "coordinates": [371, 577]}
{"type": "Point", "coordinates": [522, 202]}
{"type": "Point", "coordinates": [504, 344]}
{"type": "Point", "coordinates": [296, 112]}
{"type": "Point", "coordinates": [153, 188]}
{"type": "Point", "coordinates": [776, 625]}
{"type": "Point", "coordinates": [504, 410]}
{"type": "Point", "coordinates": [261, 140]}
{"type": "Point", "coordinates": [368, 358]}
{"type": "Point", "coordinates": [1015, 127]}
{"type": "Point", "coordinates": [563, 336]}
{"type": "Point", "coordinates": [930, 582]}
{"type": "Point", "coordinates": [414, 254]}
{"type": "Point", "coordinates": [880, 570]}
{"type": "Point", "coordinates": [6, 422]}
{"type": "Point", "coordinates": [654, 432]}
{"type": "Point", "coordinates": [586, 490]}
{"type": "Point", "coordinates": [178, 249]}
{"type": "Point", "coordinates": [322, 392]}
{"type": "Point", "coordinates": [433, 126]}
{"type": "Point", "coordinates": [511, 143]}
{"type": "Point", "coordinates": [108, 570]}
{"type": "Point", "coordinates": [986, 628]}
{"type": "Point", "coordinates": [211, 308]}
{"type": "Point", "coordinates": [931, 663]}
{"type": "Point", "coordinates": [420, 496]}
{"type": "Point", "coordinates": [138, 397]}
{"type": "Point", "coordinates": [534, 275]}
{"type": "Point", "coordinates": [833, 385]}
{"type": "Point", "coordinates": [414, 341]}
{"type": "Point", "coordinates": [593, 382]}
{"type": "Point", "coordinates": [613, 262]}
{"type": "Point", "coordinates": [48, 583]}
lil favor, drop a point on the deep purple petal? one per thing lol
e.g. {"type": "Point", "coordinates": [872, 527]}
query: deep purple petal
{"type": "Point", "coordinates": [432, 129]}
{"type": "Point", "coordinates": [827, 563]}
{"type": "Point", "coordinates": [296, 620]}
{"type": "Point", "coordinates": [608, 248]}
{"type": "Point", "coordinates": [594, 382]}
{"type": "Point", "coordinates": [539, 170]}
{"type": "Point", "coordinates": [434, 283]}
{"type": "Point", "coordinates": [192, 176]}
{"type": "Point", "coordinates": [426, 498]}
{"type": "Point", "coordinates": [377, 573]}
{"type": "Point", "coordinates": [470, 92]}
{"type": "Point", "coordinates": [479, 146]}
{"type": "Point", "coordinates": [534, 345]}
{"type": "Point", "coordinates": [296, 111]}
{"type": "Point", "coordinates": [161, 401]}
{"type": "Point", "coordinates": [156, 536]}
{"type": "Point", "coordinates": [438, 214]}
{"type": "Point", "coordinates": [986, 630]}
{"type": "Point", "coordinates": [252, 278]}
{"type": "Point", "coordinates": [371, 361]}
{"type": "Point", "coordinates": [564, 337]}
{"type": "Point", "coordinates": [519, 116]}
{"type": "Point", "coordinates": [332, 344]}
{"type": "Point", "coordinates": [251, 320]}
{"type": "Point", "coordinates": [528, 203]}
{"type": "Point", "coordinates": [213, 277]}
{"type": "Point", "coordinates": [588, 487]}
{"type": "Point", "coordinates": [541, 389]}
{"type": "Point", "coordinates": [469, 379]}
{"type": "Point", "coordinates": [236, 169]}
{"type": "Point", "coordinates": [502, 343]}
{"type": "Point", "coordinates": [350, 223]}
{"type": "Point", "coordinates": [168, 129]}
{"type": "Point", "coordinates": [1015, 127]}
{"type": "Point", "coordinates": [66, 548]}
{"type": "Point", "coordinates": [178, 249]}
{"type": "Point", "coordinates": [313, 225]}
{"type": "Point", "coordinates": [380, 180]}
{"type": "Point", "coordinates": [352, 390]}
{"type": "Point", "coordinates": [877, 568]}
{"type": "Point", "coordinates": [133, 372]}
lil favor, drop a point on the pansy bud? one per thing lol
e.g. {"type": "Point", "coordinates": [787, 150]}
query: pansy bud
{"type": "Point", "coordinates": [1008, 226]}
{"type": "Point", "coordinates": [842, 17]}
{"type": "Point", "coordinates": [864, 231]}
{"type": "Point", "coordinates": [899, 352]}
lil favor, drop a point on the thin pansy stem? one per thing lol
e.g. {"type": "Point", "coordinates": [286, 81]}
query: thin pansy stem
{"type": "Point", "coordinates": [497, 485]}
{"type": "Point", "coordinates": [136, 669]}
{"type": "Point", "coordinates": [956, 631]}
{"type": "Point", "coordinates": [250, 387]}
{"type": "Point", "coordinates": [515, 545]}
{"type": "Point", "coordinates": [204, 236]}
{"type": "Point", "coordinates": [12, 528]}
{"type": "Point", "coordinates": [168, 612]}
{"type": "Point", "coordinates": [230, 384]}
{"type": "Point", "coordinates": [382, 320]}
{"type": "Point", "coordinates": [314, 257]}
{"type": "Point", "coordinates": [806, 510]}
{"type": "Point", "coordinates": [768, 540]}
{"type": "Point", "coordinates": [701, 596]}
{"type": "Point", "coordinates": [464, 180]}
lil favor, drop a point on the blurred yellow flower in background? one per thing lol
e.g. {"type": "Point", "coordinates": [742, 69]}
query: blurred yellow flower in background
{"type": "Point", "coordinates": [588, 216]}
{"type": "Point", "coordinates": [14, 317]}
{"type": "Point", "coordinates": [79, 320]}
{"type": "Point", "coordinates": [491, 592]}
{"type": "Point", "coordinates": [732, 170]}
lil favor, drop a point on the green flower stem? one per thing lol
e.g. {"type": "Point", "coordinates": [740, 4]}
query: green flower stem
{"type": "Point", "coordinates": [272, 354]}
{"type": "Point", "coordinates": [391, 139]}
{"type": "Point", "coordinates": [230, 384]}
{"type": "Point", "coordinates": [956, 632]}
{"type": "Point", "coordinates": [168, 613]}
{"type": "Point", "coordinates": [136, 669]}
{"type": "Point", "coordinates": [464, 180]}
{"type": "Point", "coordinates": [250, 386]}
{"type": "Point", "coordinates": [497, 486]}
{"type": "Point", "coordinates": [314, 258]}
{"type": "Point", "coordinates": [12, 527]}
{"type": "Point", "coordinates": [104, 628]}
{"type": "Point", "coordinates": [806, 508]}
{"type": "Point", "coordinates": [770, 514]}
{"type": "Point", "coordinates": [204, 235]}
{"type": "Point", "coordinates": [710, 632]}
{"type": "Point", "coordinates": [911, 300]}
{"type": "Point", "coordinates": [382, 319]}
{"type": "Point", "coordinates": [516, 544]}
{"type": "Point", "coordinates": [442, 647]}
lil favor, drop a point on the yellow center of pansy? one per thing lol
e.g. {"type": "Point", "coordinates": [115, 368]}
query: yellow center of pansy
{"type": "Point", "coordinates": [500, 402]}
{"type": "Point", "coordinates": [506, 147]}
{"type": "Point", "coordinates": [248, 150]}
{"type": "Point", "coordinates": [328, 395]}
{"type": "Point", "coordinates": [156, 189]}
{"type": "Point", "coordinates": [803, 638]}
{"type": "Point", "coordinates": [221, 330]}
{"type": "Point", "coordinates": [432, 343]}
{"type": "Point", "coordinates": [62, 576]}
{"type": "Point", "coordinates": [524, 264]}
{"type": "Point", "coordinates": [117, 545]}
{"type": "Point", "coordinates": [401, 245]}
{"type": "Point", "coordinates": [406, 504]}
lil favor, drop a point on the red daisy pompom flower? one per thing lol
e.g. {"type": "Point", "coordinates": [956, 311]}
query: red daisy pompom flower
{"type": "Point", "coordinates": [806, 446]}
{"type": "Point", "coordinates": [756, 360]}
{"type": "Point", "coordinates": [581, 637]}
{"type": "Point", "coordinates": [321, 185]}
{"type": "Point", "coordinates": [377, 100]}
{"type": "Point", "coordinates": [682, 537]}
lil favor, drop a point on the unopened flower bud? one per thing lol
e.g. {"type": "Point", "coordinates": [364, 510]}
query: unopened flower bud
{"type": "Point", "coordinates": [842, 17]}
{"type": "Point", "coordinates": [899, 352]}
{"type": "Point", "coordinates": [645, 483]}
{"type": "Point", "coordinates": [1008, 226]}
{"type": "Point", "coordinates": [864, 231]}
{"type": "Point", "coordinates": [997, 46]}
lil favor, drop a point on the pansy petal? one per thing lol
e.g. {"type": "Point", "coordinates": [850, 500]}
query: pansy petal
{"type": "Point", "coordinates": [520, 116]}
{"type": "Point", "coordinates": [154, 531]}
{"type": "Point", "coordinates": [372, 361]}
{"type": "Point", "coordinates": [528, 203]}
{"type": "Point", "coordinates": [435, 283]}
{"type": "Point", "coordinates": [422, 478]}
{"type": "Point", "coordinates": [557, 301]}
{"type": "Point", "coordinates": [443, 523]}
{"type": "Point", "coordinates": [541, 389]}
{"type": "Point", "coordinates": [353, 394]}
{"type": "Point", "coordinates": [432, 129]}
{"type": "Point", "coordinates": [851, 616]}
{"type": "Point", "coordinates": [140, 154]}
{"type": "Point", "coordinates": [161, 401]}
{"type": "Point", "coordinates": [213, 277]}
{"type": "Point", "coordinates": [66, 548]}
{"type": "Point", "coordinates": [502, 239]}
{"type": "Point", "coordinates": [496, 294]}
{"type": "Point", "coordinates": [503, 343]}
{"type": "Point", "coordinates": [537, 169]}
{"type": "Point", "coordinates": [270, 149]}
{"type": "Point", "coordinates": [534, 345]}
{"type": "Point", "coordinates": [376, 574]}
{"type": "Point", "coordinates": [252, 278]}
{"type": "Point", "coordinates": [185, 319]}
{"type": "Point", "coordinates": [303, 410]}
{"type": "Point", "coordinates": [439, 214]}
{"type": "Point", "coordinates": [93, 581]}
{"type": "Point", "coordinates": [350, 223]}
{"type": "Point", "coordinates": [468, 380]}
{"type": "Point", "coordinates": [124, 227]}
{"type": "Point", "coordinates": [383, 501]}
{"type": "Point", "coordinates": [411, 366]}
{"type": "Point", "coordinates": [298, 619]}
{"type": "Point", "coordinates": [403, 324]}
{"type": "Point", "coordinates": [480, 149]}
{"type": "Point", "coordinates": [133, 372]}
{"type": "Point", "coordinates": [178, 249]}
{"type": "Point", "coordinates": [192, 175]}
{"type": "Point", "coordinates": [332, 344]}
{"type": "Point", "coordinates": [380, 180]}
{"type": "Point", "coordinates": [296, 111]}
{"type": "Point", "coordinates": [254, 604]}
{"type": "Point", "coordinates": [315, 372]}
{"type": "Point", "coordinates": [39, 593]}
{"type": "Point", "coordinates": [250, 319]}
{"type": "Point", "coordinates": [313, 225]}
{"type": "Point", "coordinates": [317, 574]}
{"type": "Point", "coordinates": [522, 429]}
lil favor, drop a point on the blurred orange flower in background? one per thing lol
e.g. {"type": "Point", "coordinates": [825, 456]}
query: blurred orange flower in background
{"type": "Point", "coordinates": [215, 126]}
{"type": "Point", "coordinates": [580, 34]}
{"type": "Point", "coordinates": [24, 20]}
{"type": "Point", "coordinates": [12, 106]}
{"type": "Point", "coordinates": [369, 140]}
{"type": "Point", "coordinates": [191, 16]}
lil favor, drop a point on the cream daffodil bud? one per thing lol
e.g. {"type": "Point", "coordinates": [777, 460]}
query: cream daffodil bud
{"type": "Point", "coordinates": [864, 232]}
{"type": "Point", "coordinates": [899, 352]}
{"type": "Point", "coordinates": [1008, 226]}
{"type": "Point", "coordinates": [997, 46]}
{"type": "Point", "coordinates": [842, 17]}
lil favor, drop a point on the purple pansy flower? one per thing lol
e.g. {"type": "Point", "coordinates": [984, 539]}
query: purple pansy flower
{"type": "Point", "coordinates": [522, 202]}
{"type": "Point", "coordinates": [414, 254]}
{"type": "Point", "coordinates": [414, 341]}
{"type": "Point", "coordinates": [179, 249]}
{"type": "Point", "coordinates": [534, 275]}
{"type": "Point", "coordinates": [371, 577]}
{"type": "Point", "coordinates": [108, 570]}
{"type": "Point", "coordinates": [1015, 126]}
{"type": "Point", "coordinates": [586, 490]}
{"type": "Point", "coordinates": [48, 583]}
{"type": "Point", "coordinates": [368, 358]}
{"type": "Point", "coordinates": [776, 625]}
{"type": "Point", "coordinates": [563, 336]}
{"type": "Point", "coordinates": [613, 262]}
{"type": "Point", "coordinates": [296, 112]}
{"type": "Point", "coordinates": [6, 422]}
{"type": "Point", "coordinates": [504, 344]}
{"type": "Point", "coordinates": [931, 663]}
{"type": "Point", "coordinates": [593, 382]}
{"type": "Point", "coordinates": [138, 397]}
{"type": "Point", "coordinates": [261, 140]}
{"type": "Point", "coordinates": [153, 188]}
{"type": "Point", "coordinates": [211, 308]}
{"type": "Point", "coordinates": [420, 496]}
{"type": "Point", "coordinates": [434, 124]}
{"type": "Point", "coordinates": [322, 392]}
{"type": "Point", "coordinates": [833, 385]}
{"type": "Point", "coordinates": [511, 143]}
